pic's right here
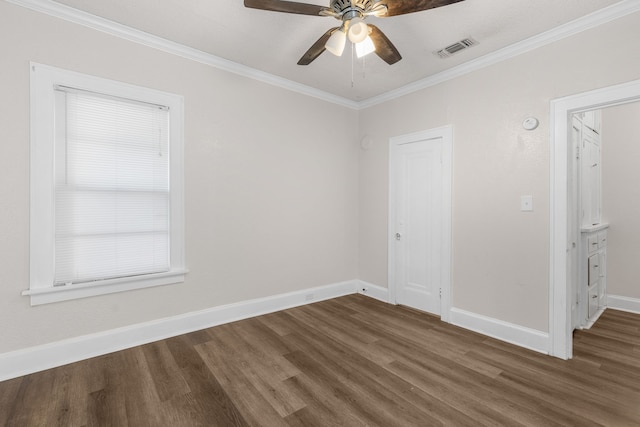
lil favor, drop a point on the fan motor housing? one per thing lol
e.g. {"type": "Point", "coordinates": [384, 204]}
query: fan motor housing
{"type": "Point", "coordinates": [343, 6]}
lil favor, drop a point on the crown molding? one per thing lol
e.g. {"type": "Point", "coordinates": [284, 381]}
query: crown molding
{"type": "Point", "coordinates": [131, 34]}
{"type": "Point", "coordinates": [595, 19]}
{"type": "Point", "coordinates": [613, 12]}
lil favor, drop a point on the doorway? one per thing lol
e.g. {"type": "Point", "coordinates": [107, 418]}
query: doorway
{"type": "Point", "coordinates": [561, 269]}
{"type": "Point", "coordinates": [420, 220]}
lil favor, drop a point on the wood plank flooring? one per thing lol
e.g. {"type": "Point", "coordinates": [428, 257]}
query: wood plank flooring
{"type": "Point", "coordinates": [351, 361]}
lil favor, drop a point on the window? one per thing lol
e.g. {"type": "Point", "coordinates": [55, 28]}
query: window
{"type": "Point", "coordinates": [106, 186]}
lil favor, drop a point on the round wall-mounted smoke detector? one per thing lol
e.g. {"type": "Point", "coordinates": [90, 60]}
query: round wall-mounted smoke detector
{"type": "Point", "coordinates": [530, 123]}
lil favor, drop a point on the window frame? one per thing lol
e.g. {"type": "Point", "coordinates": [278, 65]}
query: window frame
{"type": "Point", "coordinates": [43, 81]}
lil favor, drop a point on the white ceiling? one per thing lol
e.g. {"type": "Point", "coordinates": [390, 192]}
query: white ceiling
{"type": "Point", "coordinates": [273, 42]}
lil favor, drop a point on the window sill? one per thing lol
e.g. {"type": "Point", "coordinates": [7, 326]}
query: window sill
{"type": "Point", "coordinates": [84, 290]}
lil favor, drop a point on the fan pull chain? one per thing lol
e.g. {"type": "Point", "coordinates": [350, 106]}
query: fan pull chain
{"type": "Point", "coordinates": [353, 59]}
{"type": "Point", "coordinates": [364, 67]}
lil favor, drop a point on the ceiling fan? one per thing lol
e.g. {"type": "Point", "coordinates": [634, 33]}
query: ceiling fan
{"type": "Point", "coordinates": [367, 38]}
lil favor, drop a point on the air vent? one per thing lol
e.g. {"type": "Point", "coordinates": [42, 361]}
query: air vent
{"type": "Point", "coordinates": [456, 47]}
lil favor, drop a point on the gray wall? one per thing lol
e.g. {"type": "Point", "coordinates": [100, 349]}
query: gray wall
{"type": "Point", "coordinates": [271, 197]}
{"type": "Point", "coordinates": [621, 197]}
{"type": "Point", "coordinates": [276, 203]}
{"type": "Point", "coordinates": [500, 265]}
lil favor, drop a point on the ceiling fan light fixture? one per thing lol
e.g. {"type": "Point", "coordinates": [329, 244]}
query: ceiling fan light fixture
{"type": "Point", "coordinates": [358, 30]}
{"type": "Point", "coordinates": [336, 42]}
{"type": "Point", "coordinates": [365, 47]}
{"type": "Point", "coordinates": [352, 14]}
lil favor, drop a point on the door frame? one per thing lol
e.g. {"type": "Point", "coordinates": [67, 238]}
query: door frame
{"type": "Point", "coordinates": [562, 109]}
{"type": "Point", "coordinates": [445, 134]}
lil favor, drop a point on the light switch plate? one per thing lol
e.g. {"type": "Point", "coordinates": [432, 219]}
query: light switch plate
{"type": "Point", "coordinates": [526, 203]}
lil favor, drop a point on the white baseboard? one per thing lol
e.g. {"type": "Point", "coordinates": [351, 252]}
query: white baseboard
{"type": "Point", "coordinates": [618, 302]}
{"type": "Point", "coordinates": [373, 291]}
{"type": "Point", "coordinates": [26, 361]}
{"type": "Point", "coordinates": [504, 331]}
{"type": "Point", "coordinates": [34, 359]}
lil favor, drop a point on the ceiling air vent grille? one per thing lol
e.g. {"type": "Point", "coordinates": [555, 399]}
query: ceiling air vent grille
{"type": "Point", "coordinates": [456, 47]}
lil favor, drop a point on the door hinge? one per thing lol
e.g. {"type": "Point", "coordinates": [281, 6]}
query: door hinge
{"type": "Point", "coordinates": [440, 292]}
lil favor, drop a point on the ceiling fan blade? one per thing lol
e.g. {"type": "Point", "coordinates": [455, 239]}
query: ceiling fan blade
{"type": "Point", "coordinates": [285, 6]}
{"type": "Point", "coordinates": [402, 7]}
{"type": "Point", "coordinates": [317, 48]}
{"type": "Point", "coordinates": [384, 48]}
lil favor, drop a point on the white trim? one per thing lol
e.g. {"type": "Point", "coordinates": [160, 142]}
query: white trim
{"type": "Point", "coordinates": [373, 291]}
{"type": "Point", "coordinates": [43, 80]}
{"type": "Point", "coordinates": [504, 331]}
{"type": "Point", "coordinates": [26, 361]}
{"type": "Point", "coordinates": [131, 34]}
{"type": "Point", "coordinates": [447, 213]}
{"type": "Point", "coordinates": [592, 20]}
{"type": "Point", "coordinates": [446, 134]}
{"type": "Point", "coordinates": [560, 330]}
{"type": "Point", "coordinates": [82, 290]}
{"type": "Point", "coordinates": [587, 22]}
{"type": "Point", "coordinates": [38, 358]}
{"type": "Point", "coordinates": [617, 302]}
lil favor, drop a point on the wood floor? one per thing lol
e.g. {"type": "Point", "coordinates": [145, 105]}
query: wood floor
{"type": "Point", "coordinates": [351, 361]}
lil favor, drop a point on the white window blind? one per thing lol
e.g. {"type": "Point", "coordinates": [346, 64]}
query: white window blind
{"type": "Point", "coordinates": [112, 195]}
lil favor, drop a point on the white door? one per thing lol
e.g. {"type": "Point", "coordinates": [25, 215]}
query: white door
{"type": "Point", "coordinates": [420, 227]}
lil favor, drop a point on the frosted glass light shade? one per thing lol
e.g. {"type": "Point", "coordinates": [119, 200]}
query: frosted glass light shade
{"type": "Point", "coordinates": [336, 42]}
{"type": "Point", "coordinates": [365, 47]}
{"type": "Point", "coordinates": [358, 30]}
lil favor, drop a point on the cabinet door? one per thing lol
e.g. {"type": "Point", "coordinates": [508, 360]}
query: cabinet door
{"type": "Point", "coordinates": [590, 179]}
{"type": "Point", "coordinates": [594, 183]}
{"type": "Point", "coordinates": [592, 243]}
{"type": "Point", "coordinates": [593, 120]}
{"type": "Point", "coordinates": [602, 297]}
{"type": "Point", "coordinates": [602, 239]}
{"type": "Point", "coordinates": [602, 284]}
{"type": "Point", "coordinates": [594, 269]}
{"type": "Point", "coordinates": [593, 301]}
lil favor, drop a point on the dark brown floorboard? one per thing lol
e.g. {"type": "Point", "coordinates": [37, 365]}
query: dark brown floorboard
{"type": "Point", "coordinates": [351, 361]}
